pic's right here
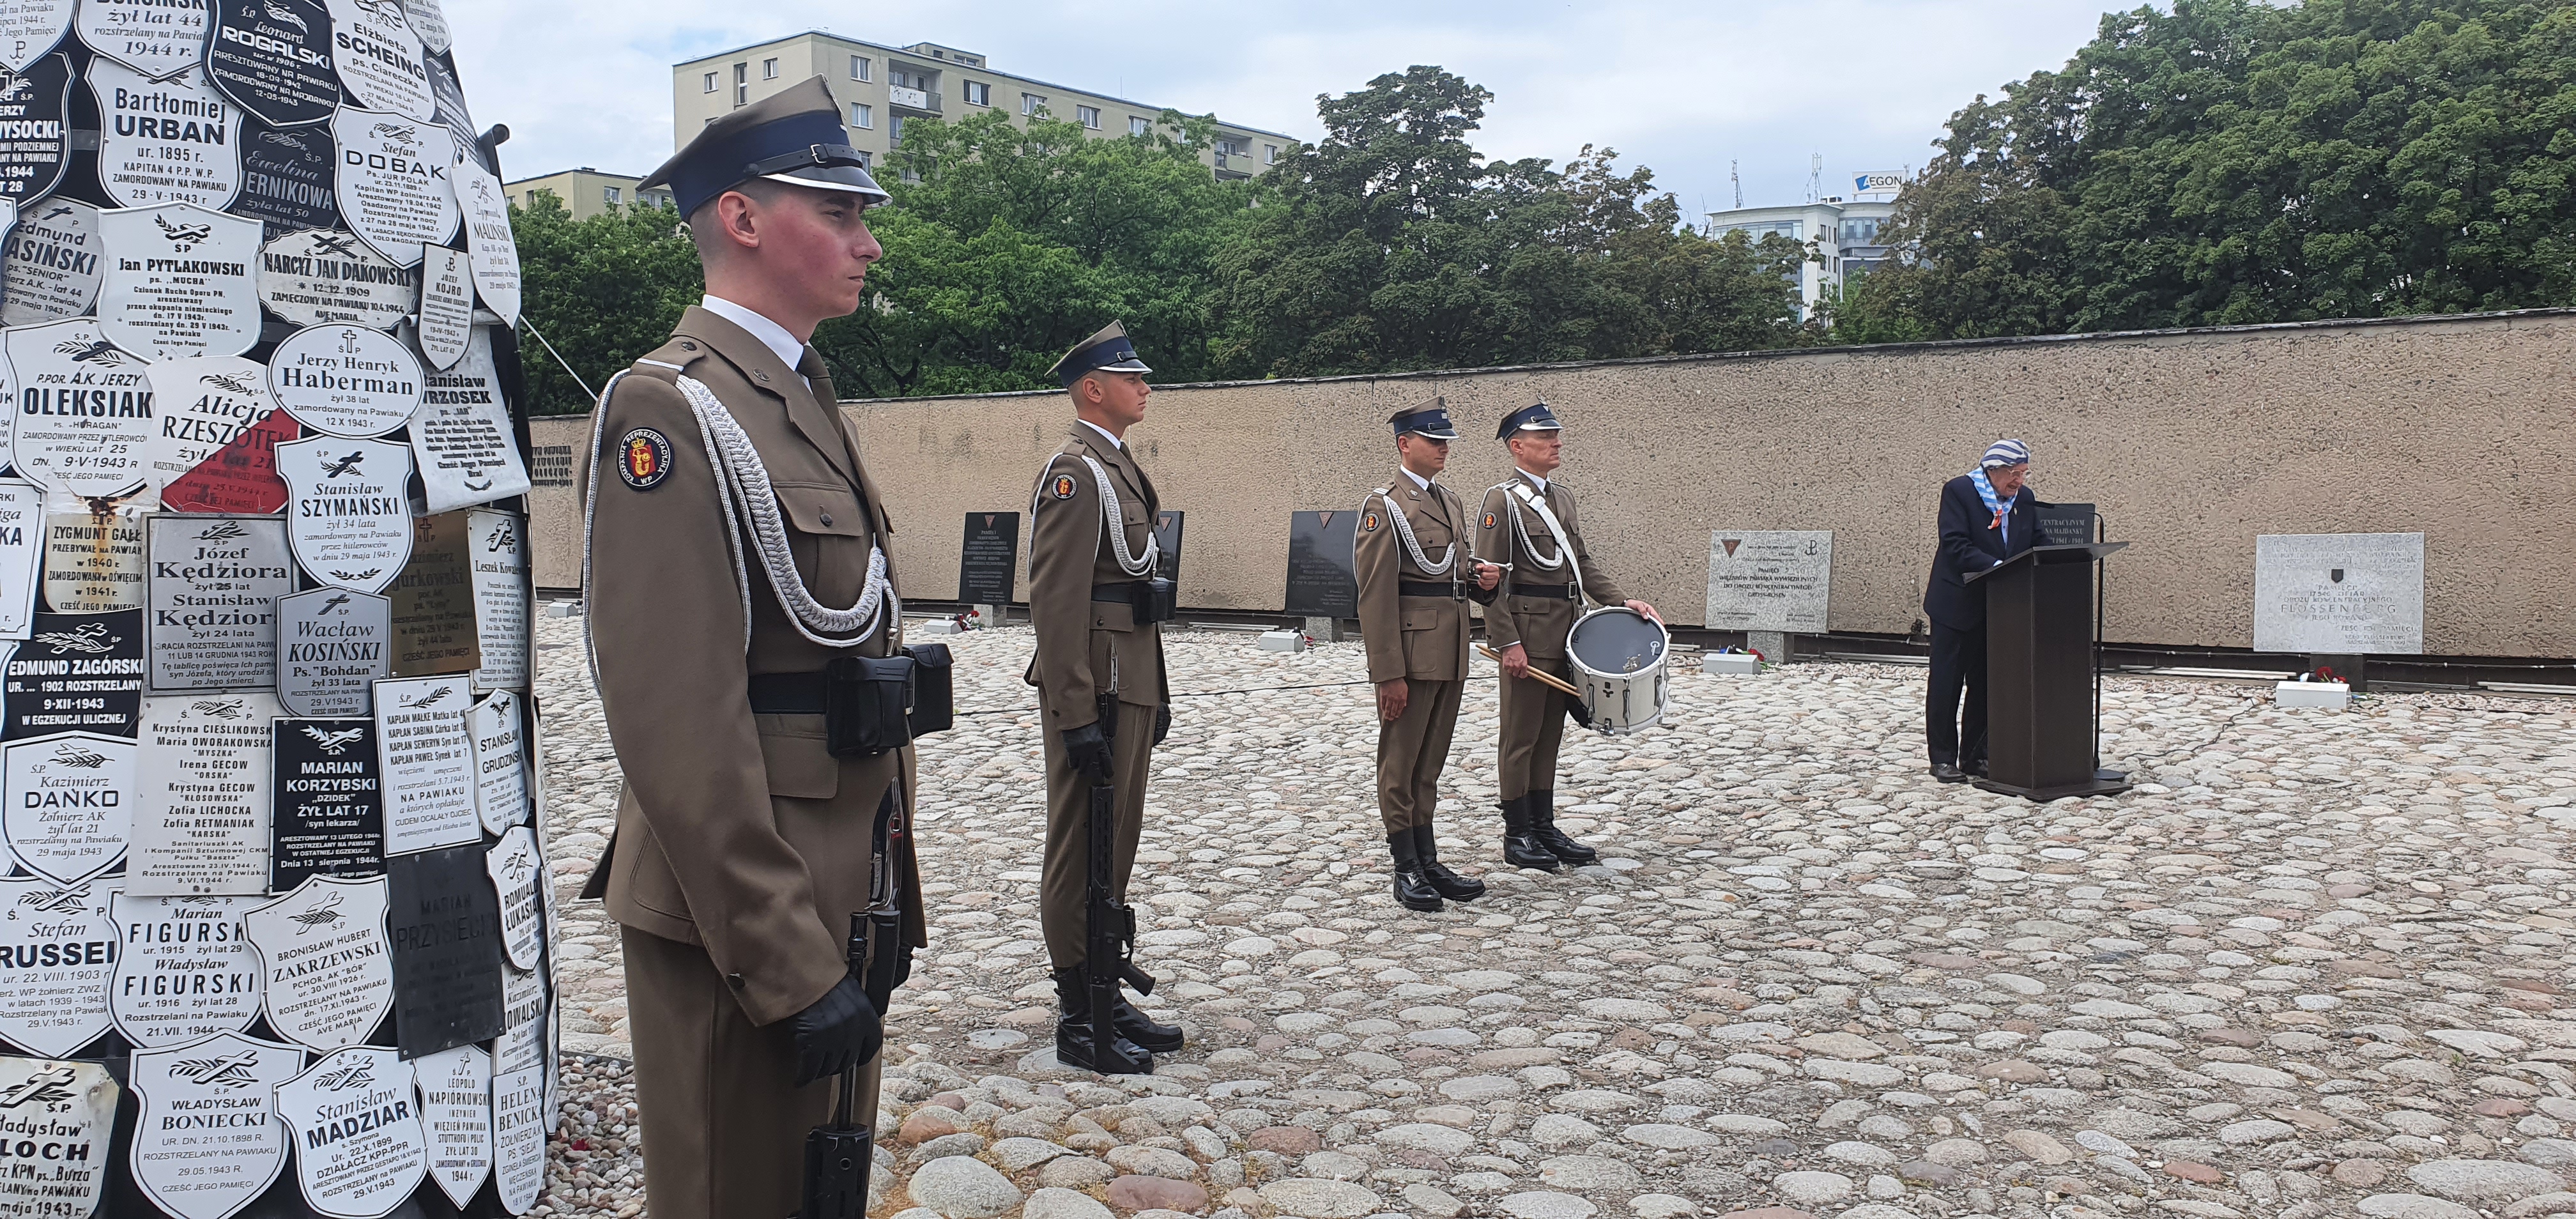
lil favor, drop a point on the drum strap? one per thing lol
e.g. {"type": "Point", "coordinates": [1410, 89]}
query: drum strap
{"type": "Point", "coordinates": [1564, 545]}
{"type": "Point", "coordinates": [1413, 548]}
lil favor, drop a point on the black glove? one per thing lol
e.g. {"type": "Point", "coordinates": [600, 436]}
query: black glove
{"type": "Point", "coordinates": [1162, 722]}
{"type": "Point", "coordinates": [839, 1033]}
{"type": "Point", "coordinates": [1089, 752]}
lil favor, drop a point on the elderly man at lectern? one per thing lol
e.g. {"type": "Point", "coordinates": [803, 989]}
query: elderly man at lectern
{"type": "Point", "coordinates": [1987, 516]}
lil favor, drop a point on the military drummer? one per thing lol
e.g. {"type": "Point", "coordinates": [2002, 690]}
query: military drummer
{"type": "Point", "coordinates": [1528, 525]}
{"type": "Point", "coordinates": [1413, 617]}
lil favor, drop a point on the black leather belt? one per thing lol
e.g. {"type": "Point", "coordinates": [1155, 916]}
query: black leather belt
{"type": "Point", "coordinates": [1559, 592]}
{"type": "Point", "coordinates": [1425, 588]}
{"type": "Point", "coordinates": [787, 693]}
{"type": "Point", "coordinates": [1115, 594]}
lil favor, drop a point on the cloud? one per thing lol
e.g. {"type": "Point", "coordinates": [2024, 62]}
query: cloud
{"type": "Point", "coordinates": [1684, 88]}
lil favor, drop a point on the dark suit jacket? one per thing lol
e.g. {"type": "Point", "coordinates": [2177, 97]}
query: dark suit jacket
{"type": "Point", "coordinates": [1969, 544]}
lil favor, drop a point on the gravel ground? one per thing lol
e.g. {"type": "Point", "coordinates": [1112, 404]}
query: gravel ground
{"type": "Point", "coordinates": [2311, 966]}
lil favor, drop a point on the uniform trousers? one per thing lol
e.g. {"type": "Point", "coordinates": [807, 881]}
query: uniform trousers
{"type": "Point", "coordinates": [1949, 734]}
{"type": "Point", "coordinates": [721, 1113]}
{"type": "Point", "coordinates": [1534, 717]}
{"type": "Point", "coordinates": [1065, 888]}
{"type": "Point", "coordinates": [1413, 749]}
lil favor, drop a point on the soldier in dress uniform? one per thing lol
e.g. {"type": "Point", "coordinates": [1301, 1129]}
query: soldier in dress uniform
{"type": "Point", "coordinates": [1527, 524]}
{"type": "Point", "coordinates": [1097, 601]}
{"type": "Point", "coordinates": [745, 844]}
{"type": "Point", "coordinates": [1414, 584]}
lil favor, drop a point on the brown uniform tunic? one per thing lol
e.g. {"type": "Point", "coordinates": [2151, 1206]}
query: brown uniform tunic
{"type": "Point", "coordinates": [1536, 609]}
{"type": "Point", "coordinates": [1086, 648]}
{"type": "Point", "coordinates": [742, 846]}
{"type": "Point", "coordinates": [1422, 639]}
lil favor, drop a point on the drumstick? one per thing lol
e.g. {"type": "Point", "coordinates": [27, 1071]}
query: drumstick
{"type": "Point", "coordinates": [1537, 674]}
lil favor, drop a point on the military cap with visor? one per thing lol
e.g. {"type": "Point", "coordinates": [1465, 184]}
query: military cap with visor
{"type": "Point", "coordinates": [1429, 421]}
{"type": "Point", "coordinates": [792, 136]}
{"type": "Point", "coordinates": [1536, 418]}
{"type": "Point", "coordinates": [1108, 350]}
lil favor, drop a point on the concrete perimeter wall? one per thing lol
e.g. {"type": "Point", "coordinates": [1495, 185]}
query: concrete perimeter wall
{"type": "Point", "coordinates": [2191, 442]}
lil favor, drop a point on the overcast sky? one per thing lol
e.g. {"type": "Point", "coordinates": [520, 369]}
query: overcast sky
{"type": "Point", "coordinates": [1683, 88]}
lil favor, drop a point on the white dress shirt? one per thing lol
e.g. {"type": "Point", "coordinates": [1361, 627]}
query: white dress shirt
{"type": "Point", "coordinates": [1114, 442]}
{"type": "Point", "coordinates": [771, 335]}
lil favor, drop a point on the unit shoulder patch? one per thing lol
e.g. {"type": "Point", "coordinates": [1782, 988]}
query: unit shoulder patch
{"type": "Point", "coordinates": [643, 458]}
{"type": "Point", "coordinates": [1368, 522]}
{"type": "Point", "coordinates": [1489, 520]}
{"type": "Point", "coordinates": [1062, 486]}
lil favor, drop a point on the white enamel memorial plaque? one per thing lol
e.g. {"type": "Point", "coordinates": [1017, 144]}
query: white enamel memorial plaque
{"type": "Point", "coordinates": [500, 762]}
{"type": "Point", "coordinates": [53, 266]}
{"type": "Point", "coordinates": [85, 412]}
{"type": "Point", "coordinates": [208, 1142]}
{"type": "Point", "coordinates": [428, 760]}
{"type": "Point", "coordinates": [71, 803]}
{"type": "Point", "coordinates": [158, 38]}
{"type": "Point", "coordinates": [355, 1122]}
{"type": "Point", "coordinates": [326, 973]}
{"type": "Point", "coordinates": [393, 181]}
{"type": "Point", "coordinates": [456, 1102]}
{"type": "Point", "coordinates": [63, 1113]}
{"type": "Point", "coordinates": [179, 281]}
{"type": "Point", "coordinates": [184, 968]}
{"type": "Point", "coordinates": [57, 948]}
{"type": "Point", "coordinates": [446, 306]}
{"type": "Point", "coordinates": [516, 865]}
{"type": "Point", "coordinates": [94, 562]}
{"type": "Point", "coordinates": [346, 380]}
{"type": "Point", "coordinates": [29, 28]}
{"type": "Point", "coordinates": [487, 237]}
{"type": "Point", "coordinates": [430, 22]}
{"type": "Point", "coordinates": [22, 554]}
{"type": "Point", "coordinates": [498, 549]}
{"type": "Point", "coordinates": [205, 770]}
{"type": "Point", "coordinates": [316, 277]}
{"type": "Point", "coordinates": [347, 515]}
{"type": "Point", "coordinates": [381, 60]}
{"type": "Point", "coordinates": [165, 141]}
{"type": "Point", "coordinates": [461, 437]}
{"type": "Point", "coordinates": [205, 403]}
{"type": "Point", "coordinates": [519, 1136]}
{"type": "Point", "coordinates": [215, 585]}
{"type": "Point", "coordinates": [332, 645]}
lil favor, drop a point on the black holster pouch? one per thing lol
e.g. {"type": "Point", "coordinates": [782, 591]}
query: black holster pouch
{"type": "Point", "coordinates": [934, 694]}
{"type": "Point", "coordinates": [867, 705]}
{"type": "Point", "coordinates": [1155, 600]}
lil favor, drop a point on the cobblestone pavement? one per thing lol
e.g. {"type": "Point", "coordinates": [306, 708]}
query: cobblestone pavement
{"type": "Point", "coordinates": [2311, 966]}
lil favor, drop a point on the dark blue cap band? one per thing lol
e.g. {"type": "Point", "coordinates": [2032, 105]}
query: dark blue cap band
{"type": "Point", "coordinates": [1108, 353]}
{"type": "Point", "coordinates": [1432, 422]}
{"type": "Point", "coordinates": [1528, 418]}
{"type": "Point", "coordinates": [729, 163]}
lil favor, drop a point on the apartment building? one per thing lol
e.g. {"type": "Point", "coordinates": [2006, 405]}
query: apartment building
{"type": "Point", "coordinates": [881, 87]}
{"type": "Point", "coordinates": [587, 192]}
{"type": "Point", "coordinates": [1842, 230]}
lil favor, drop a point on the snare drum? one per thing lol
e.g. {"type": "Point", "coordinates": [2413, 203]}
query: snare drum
{"type": "Point", "coordinates": [1617, 656]}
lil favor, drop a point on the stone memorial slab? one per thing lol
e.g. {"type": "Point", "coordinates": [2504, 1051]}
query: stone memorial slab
{"type": "Point", "coordinates": [346, 380]}
{"type": "Point", "coordinates": [328, 815]}
{"type": "Point", "coordinates": [78, 671]}
{"type": "Point", "coordinates": [427, 757]}
{"type": "Point", "coordinates": [326, 969]}
{"type": "Point", "coordinates": [487, 238]}
{"type": "Point", "coordinates": [516, 866]}
{"type": "Point", "coordinates": [273, 59]}
{"type": "Point", "coordinates": [456, 1104]}
{"type": "Point", "coordinates": [158, 38]}
{"type": "Point", "coordinates": [205, 766]}
{"type": "Point", "coordinates": [208, 1142]}
{"type": "Point", "coordinates": [500, 550]}
{"type": "Point", "coordinates": [332, 646]}
{"type": "Point", "coordinates": [71, 805]}
{"type": "Point", "coordinates": [446, 308]}
{"type": "Point", "coordinates": [29, 28]}
{"type": "Point", "coordinates": [289, 185]}
{"type": "Point", "coordinates": [1769, 580]}
{"type": "Point", "coordinates": [520, 1103]}
{"type": "Point", "coordinates": [179, 281]}
{"type": "Point", "coordinates": [204, 404]}
{"type": "Point", "coordinates": [500, 762]}
{"type": "Point", "coordinates": [53, 268]}
{"type": "Point", "coordinates": [74, 1104]}
{"type": "Point", "coordinates": [988, 567]}
{"type": "Point", "coordinates": [1167, 532]}
{"type": "Point", "coordinates": [35, 134]}
{"type": "Point", "coordinates": [215, 585]}
{"type": "Point", "coordinates": [430, 23]}
{"type": "Point", "coordinates": [94, 562]}
{"type": "Point", "coordinates": [348, 517]}
{"type": "Point", "coordinates": [461, 437]}
{"type": "Point", "coordinates": [392, 181]}
{"type": "Point", "coordinates": [523, 1010]}
{"type": "Point", "coordinates": [433, 601]}
{"type": "Point", "coordinates": [359, 1146]}
{"type": "Point", "coordinates": [2065, 524]}
{"type": "Point", "coordinates": [380, 58]}
{"type": "Point", "coordinates": [1322, 582]}
{"type": "Point", "coordinates": [84, 410]}
{"type": "Point", "coordinates": [320, 277]}
{"type": "Point", "coordinates": [168, 141]}
{"type": "Point", "coordinates": [446, 933]}
{"type": "Point", "coordinates": [185, 969]}
{"type": "Point", "coordinates": [241, 477]}
{"type": "Point", "coordinates": [2339, 593]}
{"type": "Point", "coordinates": [57, 948]}
{"type": "Point", "coordinates": [22, 554]}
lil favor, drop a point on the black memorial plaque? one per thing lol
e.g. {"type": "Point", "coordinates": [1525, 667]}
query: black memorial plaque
{"type": "Point", "coordinates": [988, 569]}
{"type": "Point", "coordinates": [287, 181]}
{"type": "Point", "coordinates": [445, 925]}
{"type": "Point", "coordinates": [451, 111]}
{"type": "Point", "coordinates": [2065, 524]}
{"type": "Point", "coordinates": [273, 58]}
{"type": "Point", "coordinates": [1167, 538]}
{"type": "Point", "coordinates": [329, 815]}
{"type": "Point", "coordinates": [1322, 583]}
{"type": "Point", "coordinates": [35, 136]}
{"type": "Point", "coordinates": [80, 672]}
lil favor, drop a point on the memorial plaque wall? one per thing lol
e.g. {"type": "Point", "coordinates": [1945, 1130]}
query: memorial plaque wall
{"type": "Point", "coordinates": [1167, 536]}
{"type": "Point", "coordinates": [2339, 593]}
{"type": "Point", "coordinates": [1769, 580]}
{"type": "Point", "coordinates": [1322, 582]}
{"type": "Point", "coordinates": [988, 568]}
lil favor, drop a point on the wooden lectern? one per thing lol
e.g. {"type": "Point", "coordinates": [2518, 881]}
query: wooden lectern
{"type": "Point", "coordinates": [2042, 717]}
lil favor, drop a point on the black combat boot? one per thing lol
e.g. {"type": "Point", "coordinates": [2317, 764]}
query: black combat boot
{"type": "Point", "coordinates": [1542, 813]}
{"type": "Point", "coordinates": [1521, 848]}
{"type": "Point", "coordinates": [1136, 1026]}
{"type": "Point", "coordinates": [1451, 885]}
{"type": "Point", "coordinates": [1073, 1041]}
{"type": "Point", "coordinates": [1413, 890]}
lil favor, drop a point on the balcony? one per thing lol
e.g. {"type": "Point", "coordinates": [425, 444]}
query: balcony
{"type": "Point", "coordinates": [919, 101]}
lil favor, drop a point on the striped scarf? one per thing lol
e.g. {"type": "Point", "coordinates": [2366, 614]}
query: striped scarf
{"type": "Point", "coordinates": [1986, 491]}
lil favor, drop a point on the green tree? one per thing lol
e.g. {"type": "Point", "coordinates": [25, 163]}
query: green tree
{"type": "Point", "coordinates": [603, 290]}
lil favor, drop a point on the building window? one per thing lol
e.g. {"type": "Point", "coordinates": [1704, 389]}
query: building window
{"type": "Point", "coordinates": [1031, 103]}
{"type": "Point", "coordinates": [866, 158]}
{"type": "Point", "coordinates": [608, 195]}
{"type": "Point", "coordinates": [978, 93]}
{"type": "Point", "coordinates": [711, 82]}
{"type": "Point", "coordinates": [1230, 147]}
{"type": "Point", "coordinates": [970, 61]}
{"type": "Point", "coordinates": [863, 117]}
{"type": "Point", "coordinates": [1270, 154]}
{"type": "Point", "coordinates": [859, 68]}
{"type": "Point", "coordinates": [1792, 229]}
{"type": "Point", "coordinates": [742, 84]}
{"type": "Point", "coordinates": [1857, 230]}
{"type": "Point", "coordinates": [769, 69]}
{"type": "Point", "coordinates": [1137, 126]}
{"type": "Point", "coordinates": [1088, 116]}
{"type": "Point", "coordinates": [894, 130]}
